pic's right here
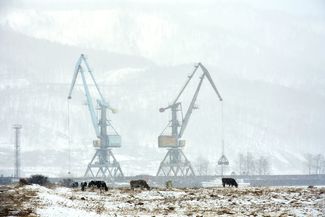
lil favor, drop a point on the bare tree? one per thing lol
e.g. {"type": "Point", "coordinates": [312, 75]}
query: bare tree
{"type": "Point", "coordinates": [248, 165]}
{"type": "Point", "coordinates": [309, 162]}
{"type": "Point", "coordinates": [241, 164]}
{"type": "Point", "coordinates": [263, 166]}
{"type": "Point", "coordinates": [315, 163]}
{"type": "Point", "coordinates": [322, 165]}
{"type": "Point", "coordinates": [318, 163]}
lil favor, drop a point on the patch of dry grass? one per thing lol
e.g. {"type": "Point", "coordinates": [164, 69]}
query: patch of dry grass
{"type": "Point", "coordinates": [13, 199]}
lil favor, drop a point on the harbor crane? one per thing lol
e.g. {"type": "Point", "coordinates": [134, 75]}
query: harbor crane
{"type": "Point", "coordinates": [103, 164]}
{"type": "Point", "coordinates": [175, 162]}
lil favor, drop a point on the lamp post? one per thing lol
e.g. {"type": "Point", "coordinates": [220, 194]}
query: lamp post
{"type": "Point", "coordinates": [17, 128]}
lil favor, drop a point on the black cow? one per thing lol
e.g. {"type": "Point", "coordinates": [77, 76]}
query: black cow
{"type": "Point", "coordinates": [24, 181]}
{"type": "Point", "coordinates": [74, 185]}
{"type": "Point", "coordinates": [83, 185]}
{"type": "Point", "coordinates": [229, 182]}
{"type": "Point", "coordinates": [139, 184]}
{"type": "Point", "coordinates": [91, 184]}
{"type": "Point", "coordinates": [103, 185]}
{"type": "Point", "coordinates": [99, 184]}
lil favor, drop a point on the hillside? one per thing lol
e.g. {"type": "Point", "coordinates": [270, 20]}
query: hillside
{"type": "Point", "coordinates": [273, 89]}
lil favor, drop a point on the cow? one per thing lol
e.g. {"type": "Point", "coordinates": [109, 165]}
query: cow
{"type": "Point", "coordinates": [103, 186]}
{"type": "Point", "coordinates": [24, 181]}
{"type": "Point", "coordinates": [229, 182]}
{"type": "Point", "coordinates": [83, 185]}
{"type": "Point", "coordinates": [92, 184]}
{"type": "Point", "coordinates": [139, 184]}
{"type": "Point", "coordinates": [74, 185]}
{"type": "Point", "coordinates": [99, 184]}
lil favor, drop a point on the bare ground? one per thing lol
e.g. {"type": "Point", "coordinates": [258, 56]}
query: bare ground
{"type": "Point", "coordinates": [14, 201]}
{"type": "Point", "coordinates": [246, 201]}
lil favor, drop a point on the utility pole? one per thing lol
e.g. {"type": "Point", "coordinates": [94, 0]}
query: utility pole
{"type": "Point", "coordinates": [17, 128]}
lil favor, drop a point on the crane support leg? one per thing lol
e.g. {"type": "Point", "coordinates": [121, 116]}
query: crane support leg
{"type": "Point", "coordinates": [104, 165]}
{"type": "Point", "coordinates": [175, 163]}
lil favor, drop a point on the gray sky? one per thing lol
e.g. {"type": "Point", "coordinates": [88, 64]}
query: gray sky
{"type": "Point", "coordinates": [167, 32]}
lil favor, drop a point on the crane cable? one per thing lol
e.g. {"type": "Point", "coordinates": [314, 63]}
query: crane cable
{"type": "Point", "coordinates": [222, 130]}
{"type": "Point", "coordinates": [69, 140]}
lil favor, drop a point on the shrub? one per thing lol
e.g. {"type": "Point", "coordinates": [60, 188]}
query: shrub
{"type": "Point", "coordinates": [169, 184]}
{"type": "Point", "coordinates": [38, 179]}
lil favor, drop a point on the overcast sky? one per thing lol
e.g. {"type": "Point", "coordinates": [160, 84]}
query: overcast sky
{"type": "Point", "coordinates": [168, 32]}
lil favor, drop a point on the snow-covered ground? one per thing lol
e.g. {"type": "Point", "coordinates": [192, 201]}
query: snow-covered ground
{"type": "Point", "coordinates": [244, 201]}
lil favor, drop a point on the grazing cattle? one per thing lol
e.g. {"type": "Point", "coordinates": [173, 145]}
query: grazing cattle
{"type": "Point", "coordinates": [74, 184]}
{"type": "Point", "coordinates": [229, 182]}
{"type": "Point", "coordinates": [99, 184]}
{"type": "Point", "coordinates": [83, 185]}
{"type": "Point", "coordinates": [91, 184]}
{"type": "Point", "coordinates": [103, 186]}
{"type": "Point", "coordinates": [23, 181]}
{"type": "Point", "coordinates": [139, 184]}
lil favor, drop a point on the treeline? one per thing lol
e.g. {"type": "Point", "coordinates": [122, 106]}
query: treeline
{"type": "Point", "coordinates": [315, 163]}
{"type": "Point", "coordinates": [248, 164]}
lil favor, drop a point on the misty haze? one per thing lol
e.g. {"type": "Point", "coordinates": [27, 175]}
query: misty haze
{"type": "Point", "coordinates": [176, 95]}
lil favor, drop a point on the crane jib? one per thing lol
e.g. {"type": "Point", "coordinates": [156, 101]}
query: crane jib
{"type": "Point", "coordinates": [99, 125]}
{"type": "Point", "coordinates": [165, 140]}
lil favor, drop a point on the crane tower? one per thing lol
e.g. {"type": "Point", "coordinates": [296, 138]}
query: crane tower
{"type": "Point", "coordinates": [175, 163]}
{"type": "Point", "coordinates": [103, 164]}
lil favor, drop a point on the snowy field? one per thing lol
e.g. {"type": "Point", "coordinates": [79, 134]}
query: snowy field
{"type": "Point", "coordinates": [244, 201]}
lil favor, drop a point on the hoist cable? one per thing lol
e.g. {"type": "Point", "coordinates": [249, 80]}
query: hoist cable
{"type": "Point", "coordinates": [222, 129]}
{"type": "Point", "coordinates": [69, 139]}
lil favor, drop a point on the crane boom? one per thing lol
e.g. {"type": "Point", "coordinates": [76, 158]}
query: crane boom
{"type": "Point", "coordinates": [90, 104]}
{"type": "Point", "coordinates": [176, 105]}
{"type": "Point", "coordinates": [190, 108]}
{"type": "Point", "coordinates": [78, 64]}
{"type": "Point", "coordinates": [74, 77]}
{"type": "Point", "coordinates": [206, 72]}
{"type": "Point", "coordinates": [188, 81]}
{"type": "Point", "coordinates": [102, 102]}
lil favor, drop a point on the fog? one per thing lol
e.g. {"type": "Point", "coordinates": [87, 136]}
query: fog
{"type": "Point", "coordinates": [267, 60]}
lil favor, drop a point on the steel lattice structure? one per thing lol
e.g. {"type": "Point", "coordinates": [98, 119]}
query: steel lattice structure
{"type": "Point", "coordinates": [103, 164]}
{"type": "Point", "coordinates": [175, 163]}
